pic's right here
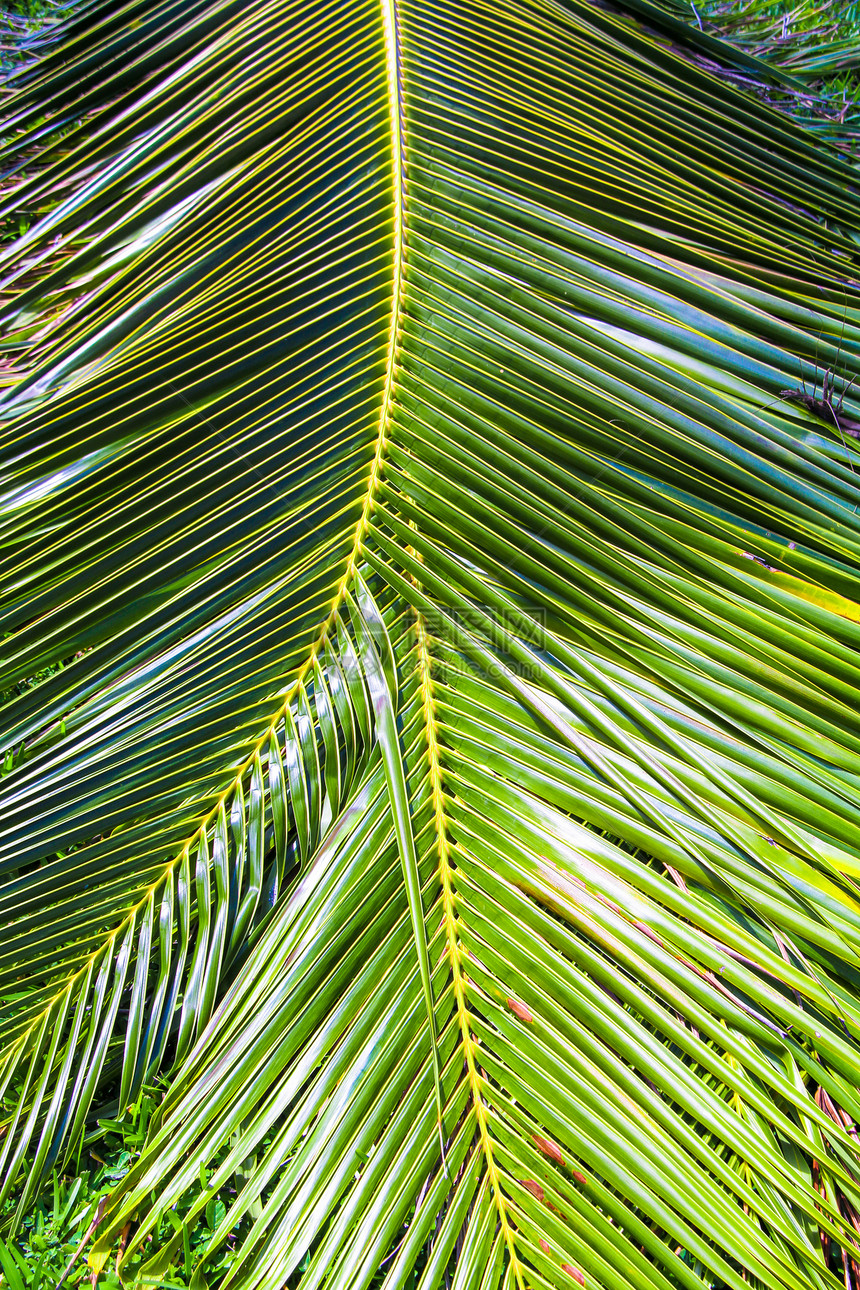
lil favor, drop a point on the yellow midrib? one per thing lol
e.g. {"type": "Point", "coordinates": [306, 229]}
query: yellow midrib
{"type": "Point", "coordinates": [453, 942]}
{"type": "Point", "coordinates": [392, 58]}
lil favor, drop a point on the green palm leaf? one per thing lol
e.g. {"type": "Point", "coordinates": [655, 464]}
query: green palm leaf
{"type": "Point", "coordinates": [423, 496]}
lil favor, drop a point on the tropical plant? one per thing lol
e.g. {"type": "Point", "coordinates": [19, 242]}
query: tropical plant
{"type": "Point", "coordinates": [417, 450]}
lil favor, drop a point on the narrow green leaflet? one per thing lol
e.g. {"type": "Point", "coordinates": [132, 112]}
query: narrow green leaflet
{"type": "Point", "coordinates": [383, 702]}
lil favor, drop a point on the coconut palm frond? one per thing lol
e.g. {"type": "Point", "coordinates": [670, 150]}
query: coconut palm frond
{"type": "Point", "coordinates": [430, 564]}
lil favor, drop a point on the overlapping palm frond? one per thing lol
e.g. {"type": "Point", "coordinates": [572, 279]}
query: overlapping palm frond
{"type": "Point", "coordinates": [423, 492]}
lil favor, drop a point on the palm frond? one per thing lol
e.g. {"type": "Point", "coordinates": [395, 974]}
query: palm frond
{"type": "Point", "coordinates": [418, 452]}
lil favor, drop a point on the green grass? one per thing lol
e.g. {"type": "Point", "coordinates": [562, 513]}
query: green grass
{"type": "Point", "coordinates": [52, 1241]}
{"type": "Point", "coordinates": [817, 42]}
{"type": "Point", "coordinates": [52, 1233]}
{"type": "Point", "coordinates": [18, 20]}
